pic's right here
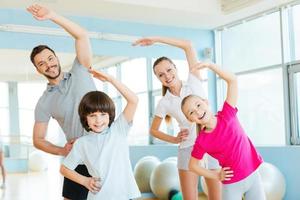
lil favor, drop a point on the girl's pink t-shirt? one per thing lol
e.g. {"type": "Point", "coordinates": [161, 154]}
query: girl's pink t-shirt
{"type": "Point", "coordinates": [229, 144]}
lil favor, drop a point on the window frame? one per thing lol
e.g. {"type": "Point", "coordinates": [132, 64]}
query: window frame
{"type": "Point", "coordinates": [293, 68]}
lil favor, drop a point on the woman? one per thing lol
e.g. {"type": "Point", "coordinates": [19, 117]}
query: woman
{"type": "Point", "coordinates": [173, 91]}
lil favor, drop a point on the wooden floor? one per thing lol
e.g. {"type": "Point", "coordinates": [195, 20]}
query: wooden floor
{"type": "Point", "coordinates": [32, 186]}
{"type": "Point", "coordinates": [39, 185]}
{"type": "Point", "coordinates": [45, 185]}
{"type": "Point", "coordinates": [201, 197]}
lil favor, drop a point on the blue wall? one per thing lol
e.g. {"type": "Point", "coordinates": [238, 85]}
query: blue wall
{"type": "Point", "coordinates": [288, 162]}
{"type": "Point", "coordinates": [286, 159]}
{"type": "Point", "coordinates": [201, 38]}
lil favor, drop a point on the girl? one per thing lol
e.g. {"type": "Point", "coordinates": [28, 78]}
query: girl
{"type": "Point", "coordinates": [222, 137]}
{"type": "Point", "coordinates": [105, 150]}
{"type": "Point", "coordinates": [174, 90]}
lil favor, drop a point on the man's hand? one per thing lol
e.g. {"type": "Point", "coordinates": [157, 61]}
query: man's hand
{"type": "Point", "coordinates": [40, 12]}
{"type": "Point", "coordinates": [68, 147]}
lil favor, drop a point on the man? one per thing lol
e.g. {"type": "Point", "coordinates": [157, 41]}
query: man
{"type": "Point", "coordinates": [63, 94]}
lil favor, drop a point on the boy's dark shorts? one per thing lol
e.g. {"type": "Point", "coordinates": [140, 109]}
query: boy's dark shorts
{"type": "Point", "coordinates": [75, 191]}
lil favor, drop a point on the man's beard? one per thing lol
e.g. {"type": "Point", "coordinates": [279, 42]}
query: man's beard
{"type": "Point", "coordinates": [54, 77]}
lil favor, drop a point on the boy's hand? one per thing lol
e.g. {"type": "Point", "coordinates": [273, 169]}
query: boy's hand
{"type": "Point", "coordinates": [93, 184]}
{"type": "Point", "coordinates": [100, 75]}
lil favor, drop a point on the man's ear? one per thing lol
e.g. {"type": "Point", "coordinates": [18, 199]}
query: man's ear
{"type": "Point", "coordinates": [38, 70]}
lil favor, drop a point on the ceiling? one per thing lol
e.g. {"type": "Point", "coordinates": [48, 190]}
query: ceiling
{"type": "Point", "coordinates": [204, 14]}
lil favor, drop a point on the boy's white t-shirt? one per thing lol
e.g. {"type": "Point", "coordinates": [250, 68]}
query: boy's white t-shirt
{"type": "Point", "coordinates": [106, 155]}
{"type": "Point", "coordinates": [171, 105]}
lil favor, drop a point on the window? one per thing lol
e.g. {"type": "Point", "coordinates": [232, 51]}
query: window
{"type": "Point", "coordinates": [261, 107]}
{"type": "Point", "coordinates": [253, 44]}
{"type": "Point", "coordinates": [139, 133]}
{"type": "Point", "coordinates": [297, 100]}
{"type": "Point", "coordinates": [294, 82]}
{"type": "Point", "coordinates": [99, 84]}
{"type": "Point", "coordinates": [252, 49]}
{"type": "Point", "coordinates": [4, 110]}
{"type": "Point", "coordinates": [134, 76]}
{"type": "Point", "coordinates": [108, 87]}
{"type": "Point", "coordinates": [296, 28]}
{"type": "Point", "coordinates": [164, 127]}
{"type": "Point", "coordinates": [27, 105]}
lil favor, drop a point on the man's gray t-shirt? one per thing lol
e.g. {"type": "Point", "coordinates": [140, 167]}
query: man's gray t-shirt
{"type": "Point", "coordinates": [61, 101]}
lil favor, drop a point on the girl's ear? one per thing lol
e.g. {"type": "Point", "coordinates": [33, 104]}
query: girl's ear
{"type": "Point", "coordinates": [206, 101]}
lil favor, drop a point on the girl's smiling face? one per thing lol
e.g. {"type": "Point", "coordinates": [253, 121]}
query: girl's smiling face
{"type": "Point", "coordinates": [196, 110]}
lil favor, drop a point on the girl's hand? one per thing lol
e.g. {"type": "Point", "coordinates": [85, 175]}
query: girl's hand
{"type": "Point", "coordinates": [40, 12]}
{"type": "Point", "coordinates": [93, 184]}
{"type": "Point", "coordinates": [144, 42]}
{"type": "Point", "coordinates": [225, 174]}
{"type": "Point", "coordinates": [100, 75]}
{"type": "Point", "coordinates": [182, 135]}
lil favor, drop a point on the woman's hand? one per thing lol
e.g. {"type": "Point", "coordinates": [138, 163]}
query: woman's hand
{"type": "Point", "coordinates": [181, 136]}
{"type": "Point", "coordinates": [145, 41]}
{"type": "Point", "coordinates": [93, 184]}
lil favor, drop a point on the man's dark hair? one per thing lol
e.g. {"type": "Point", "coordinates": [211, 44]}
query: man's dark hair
{"type": "Point", "coordinates": [38, 49]}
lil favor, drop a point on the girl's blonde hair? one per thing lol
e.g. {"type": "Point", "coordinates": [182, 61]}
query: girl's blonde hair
{"type": "Point", "coordinates": [199, 127]}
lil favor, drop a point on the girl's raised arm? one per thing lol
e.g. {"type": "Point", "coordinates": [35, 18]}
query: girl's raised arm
{"type": "Point", "coordinates": [228, 77]}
